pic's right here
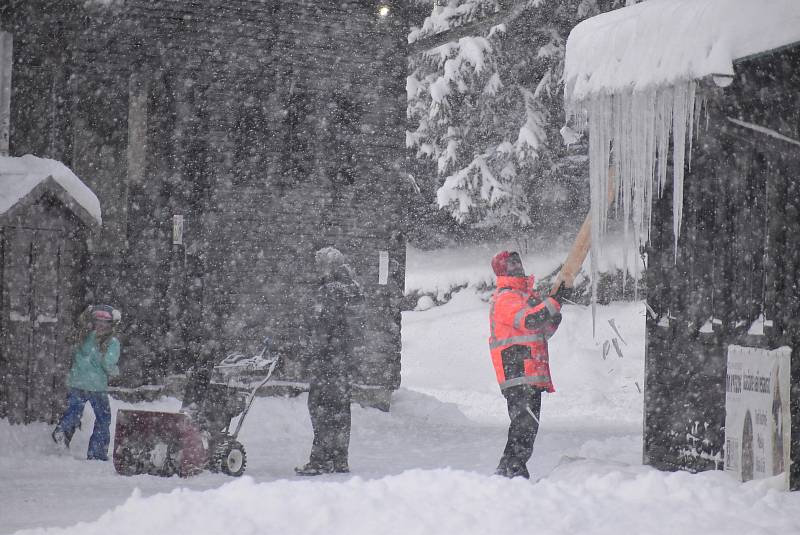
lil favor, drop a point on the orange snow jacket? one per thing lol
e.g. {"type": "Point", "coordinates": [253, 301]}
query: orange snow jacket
{"type": "Point", "coordinates": [520, 323]}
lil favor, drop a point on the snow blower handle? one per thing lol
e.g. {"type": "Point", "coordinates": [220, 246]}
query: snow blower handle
{"type": "Point", "coordinates": [265, 343]}
{"type": "Point", "coordinates": [252, 395]}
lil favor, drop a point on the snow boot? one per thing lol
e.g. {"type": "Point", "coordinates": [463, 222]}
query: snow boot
{"type": "Point", "coordinates": [314, 469]}
{"type": "Point", "coordinates": [341, 467]}
{"type": "Point", "coordinates": [520, 471]}
{"type": "Point", "coordinates": [512, 470]}
{"type": "Point", "coordinates": [502, 469]}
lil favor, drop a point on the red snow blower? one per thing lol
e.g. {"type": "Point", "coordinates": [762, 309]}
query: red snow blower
{"type": "Point", "coordinates": [198, 437]}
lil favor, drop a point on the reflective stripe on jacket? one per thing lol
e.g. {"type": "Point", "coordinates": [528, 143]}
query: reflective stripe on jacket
{"type": "Point", "coordinates": [512, 303]}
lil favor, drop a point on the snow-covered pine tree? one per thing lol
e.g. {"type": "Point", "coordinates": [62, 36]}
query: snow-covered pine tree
{"type": "Point", "coordinates": [485, 111]}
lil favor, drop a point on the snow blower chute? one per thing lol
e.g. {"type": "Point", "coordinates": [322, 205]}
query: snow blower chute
{"type": "Point", "coordinates": [198, 437]}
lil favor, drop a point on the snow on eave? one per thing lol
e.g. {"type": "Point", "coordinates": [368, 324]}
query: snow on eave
{"type": "Point", "coordinates": [25, 179]}
{"type": "Point", "coordinates": [661, 42]}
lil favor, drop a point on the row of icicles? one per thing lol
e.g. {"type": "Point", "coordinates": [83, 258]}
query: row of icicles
{"type": "Point", "coordinates": [629, 140]}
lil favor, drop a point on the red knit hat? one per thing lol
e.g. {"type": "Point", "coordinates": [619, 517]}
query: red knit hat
{"type": "Point", "coordinates": [500, 262]}
{"type": "Point", "coordinates": [102, 315]}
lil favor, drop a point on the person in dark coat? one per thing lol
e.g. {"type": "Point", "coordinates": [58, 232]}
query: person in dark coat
{"type": "Point", "coordinates": [336, 326]}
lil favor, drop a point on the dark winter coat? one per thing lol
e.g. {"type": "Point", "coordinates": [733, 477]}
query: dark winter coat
{"type": "Point", "coordinates": [337, 328]}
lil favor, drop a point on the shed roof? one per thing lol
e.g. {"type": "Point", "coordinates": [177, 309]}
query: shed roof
{"type": "Point", "coordinates": [661, 42]}
{"type": "Point", "coordinates": [25, 179]}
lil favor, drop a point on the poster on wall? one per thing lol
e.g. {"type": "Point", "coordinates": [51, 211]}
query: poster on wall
{"type": "Point", "coordinates": [757, 415]}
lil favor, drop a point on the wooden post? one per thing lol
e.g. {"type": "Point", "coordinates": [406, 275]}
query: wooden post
{"type": "Point", "coordinates": [6, 58]}
{"type": "Point", "coordinates": [137, 146]}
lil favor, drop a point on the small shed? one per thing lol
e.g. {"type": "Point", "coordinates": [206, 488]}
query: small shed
{"type": "Point", "coordinates": [47, 215]}
{"type": "Point", "coordinates": [694, 106]}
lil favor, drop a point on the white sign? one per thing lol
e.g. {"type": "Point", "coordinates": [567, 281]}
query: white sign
{"type": "Point", "coordinates": [383, 267]}
{"type": "Point", "coordinates": [177, 230]}
{"type": "Point", "coordinates": [757, 419]}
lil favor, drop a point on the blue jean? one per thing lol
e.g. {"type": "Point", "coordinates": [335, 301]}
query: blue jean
{"type": "Point", "coordinates": [76, 399]}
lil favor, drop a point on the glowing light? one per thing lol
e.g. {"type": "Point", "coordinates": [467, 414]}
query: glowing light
{"type": "Point", "coordinates": [383, 10]}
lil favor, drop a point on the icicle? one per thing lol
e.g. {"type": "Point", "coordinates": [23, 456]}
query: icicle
{"type": "Point", "coordinates": [678, 160]}
{"type": "Point", "coordinates": [638, 126]}
{"type": "Point", "coordinates": [694, 102]}
{"type": "Point", "coordinates": [663, 120]}
{"type": "Point", "coordinates": [600, 134]}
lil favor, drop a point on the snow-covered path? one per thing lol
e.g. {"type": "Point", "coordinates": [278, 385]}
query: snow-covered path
{"type": "Point", "coordinates": [449, 414]}
{"type": "Point", "coordinates": [425, 467]}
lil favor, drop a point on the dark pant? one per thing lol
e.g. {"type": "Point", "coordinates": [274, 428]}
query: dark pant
{"type": "Point", "coordinates": [76, 399]}
{"type": "Point", "coordinates": [329, 407]}
{"type": "Point", "coordinates": [522, 401]}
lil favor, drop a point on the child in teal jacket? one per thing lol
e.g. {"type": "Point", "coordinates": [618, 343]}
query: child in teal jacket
{"type": "Point", "coordinates": [93, 362]}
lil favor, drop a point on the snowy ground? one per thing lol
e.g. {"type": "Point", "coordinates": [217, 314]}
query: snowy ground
{"type": "Point", "coordinates": [423, 468]}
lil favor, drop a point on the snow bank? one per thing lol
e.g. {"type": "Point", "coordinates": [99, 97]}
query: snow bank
{"type": "Point", "coordinates": [582, 496]}
{"type": "Point", "coordinates": [19, 176]}
{"type": "Point", "coordinates": [660, 42]}
{"type": "Point", "coordinates": [438, 271]}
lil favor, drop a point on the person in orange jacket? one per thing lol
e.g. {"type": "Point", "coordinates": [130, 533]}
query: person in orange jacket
{"type": "Point", "coordinates": [520, 323]}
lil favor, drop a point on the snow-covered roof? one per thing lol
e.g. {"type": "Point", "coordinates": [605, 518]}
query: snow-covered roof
{"type": "Point", "coordinates": [21, 176]}
{"type": "Point", "coordinates": [660, 42]}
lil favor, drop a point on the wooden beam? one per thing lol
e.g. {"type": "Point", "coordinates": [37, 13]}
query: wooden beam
{"type": "Point", "coordinates": [6, 60]}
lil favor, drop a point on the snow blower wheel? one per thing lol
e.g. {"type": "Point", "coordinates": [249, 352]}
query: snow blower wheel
{"type": "Point", "coordinates": [231, 458]}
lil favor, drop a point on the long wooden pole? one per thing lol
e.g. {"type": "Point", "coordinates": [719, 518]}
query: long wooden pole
{"type": "Point", "coordinates": [572, 265]}
{"type": "Point", "coordinates": [581, 245]}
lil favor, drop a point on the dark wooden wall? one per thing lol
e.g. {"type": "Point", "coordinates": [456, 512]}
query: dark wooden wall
{"type": "Point", "coordinates": [273, 127]}
{"type": "Point", "coordinates": [42, 252]}
{"type": "Point", "coordinates": [738, 258]}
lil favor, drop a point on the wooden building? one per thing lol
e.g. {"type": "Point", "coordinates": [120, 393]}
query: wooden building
{"type": "Point", "coordinates": [47, 218]}
{"type": "Point", "coordinates": [735, 279]}
{"type": "Point", "coordinates": [731, 276]}
{"type": "Point", "coordinates": [227, 141]}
